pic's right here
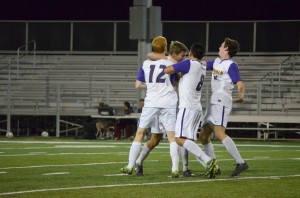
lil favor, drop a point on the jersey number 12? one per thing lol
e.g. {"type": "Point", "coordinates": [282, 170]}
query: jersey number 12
{"type": "Point", "coordinates": [159, 78]}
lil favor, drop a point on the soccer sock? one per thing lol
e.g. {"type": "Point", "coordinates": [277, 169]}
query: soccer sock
{"type": "Point", "coordinates": [231, 148]}
{"type": "Point", "coordinates": [143, 155]}
{"type": "Point", "coordinates": [174, 152]}
{"type": "Point", "coordinates": [133, 153]}
{"type": "Point", "coordinates": [193, 148]}
{"type": "Point", "coordinates": [209, 150]}
{"type": "Point", "coordinates": [185, 158]}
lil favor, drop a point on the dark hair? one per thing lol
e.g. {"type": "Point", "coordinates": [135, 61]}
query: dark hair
{"type": "Point", "coordinates": [142, 100]}
{"type": "Point", "coordinates": [127, 104]}
{"type": "Point", "coordinates": [198, 50]}
{"type": "Point", "coordinates": [233, 46]}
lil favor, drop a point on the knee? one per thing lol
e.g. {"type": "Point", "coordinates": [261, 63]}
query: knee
{"type": "Point", "coordinates": [151, 144]}
{"type": "Point", "coordinates": [204, 137]}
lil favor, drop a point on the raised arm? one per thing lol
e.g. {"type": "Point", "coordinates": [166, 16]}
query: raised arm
{"type": "Point", "coordinates": [156, 56]}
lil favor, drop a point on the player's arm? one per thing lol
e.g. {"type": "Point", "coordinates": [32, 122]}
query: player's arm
{"type": "Point", "coordinates": [140, 80]}
{"type": "Point", "coordinates": [183, 66]}
{"type": "Point", "coordinates": [209, 64]}
{"type": "Point", "coordinates": [156, 56]}
{"type": "Point", "coordinates": [241, 89]}
{"type": "Point", "coordinates": [140, 85]}
{"type": "Point", "coordinates": [234, 74]}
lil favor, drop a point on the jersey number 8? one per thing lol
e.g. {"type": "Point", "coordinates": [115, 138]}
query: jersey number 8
{"type": "Point", "coordinates": [200, 84]}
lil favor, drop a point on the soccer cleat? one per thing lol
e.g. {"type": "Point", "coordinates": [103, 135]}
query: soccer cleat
{"type": "Point", "coordinates": [188, 173]}
{"type": "Point", "coordinates": [211, 169]}
{"type": "Point", "coordinates": [218, 171]}
{"type": "Point", "coordinates": [126, 170]}
{"type": "Point", "coordinates": [175, 174]}
{"type": "Point", "coordinates": [239, 168]}
{"type": "Point", "coordinates": [139, 170]}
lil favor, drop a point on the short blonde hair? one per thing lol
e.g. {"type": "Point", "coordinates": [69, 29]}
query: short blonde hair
{"type": "Point", "coordinates": [159, 44]}
{"type": "Point", "coordinates": [177, 47]}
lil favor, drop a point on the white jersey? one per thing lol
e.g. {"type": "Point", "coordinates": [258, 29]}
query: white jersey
{"type": "Point", "coordinates": [190, 84]}
{"type": "Point", "coordinates": [160, 92]}
{"type": "Point", "coordinates": [224, 74]}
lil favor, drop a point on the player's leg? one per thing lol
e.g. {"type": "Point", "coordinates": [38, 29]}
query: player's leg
{"type": "Point", "coordinates": [204, 137]}
{"type": "Point", "coordinates": [146, 149]}
{"type": "Point", "coordinates": [221, 119]}
{"type": "Point", "coordinates": [230, 146]}
{"type": "Point", "coordinates": [174, 153]}
{"type": "Point", "coordinates": [148, 116]}
{"type": "Point", "coordinates": [186, 172]}
{"type": "Point", "coordinates": [167, 118]}
{"type": "Point", "coordinates": [186, 128]}
{"type": "Point", "coordinates": [134, 150]}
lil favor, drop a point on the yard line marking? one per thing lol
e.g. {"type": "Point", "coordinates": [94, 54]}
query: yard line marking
{"type": "Point", "coordinates": [60, 173]}
{"type": "Point", "coordinates": [113, 175]}
{"type": "Point", "coordinates": [67, 165]}
{"type": "Point", "coordinates": [144, 184]}
{"type": "Point", "coordinates": [1, 152]}
{"type": "Point", "coordinates": [34, 153]}
{"type": "Point", "coordinates": [3, 172]}
{"type": "Point", "coordinates": [54, 154]}
{"type": "Point", "coordinates": [83, 146]}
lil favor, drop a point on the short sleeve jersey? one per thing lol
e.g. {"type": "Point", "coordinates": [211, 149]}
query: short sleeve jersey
{"type": "Point", "coordinates": [225, 74]}
{"type": "Point", "coordinates": [160, 92]}
{"type": "Point", "coordinates": [190, 85]}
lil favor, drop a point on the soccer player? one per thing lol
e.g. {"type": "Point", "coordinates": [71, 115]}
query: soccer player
{"type": "Point", "coordinates": [190, 109]}
{"type": "Point", "coordinates": [225, 74]}
{"type": "Point", "coordinates": [177, 53]}
{"type": "Point", "coordinates": [160, 104]}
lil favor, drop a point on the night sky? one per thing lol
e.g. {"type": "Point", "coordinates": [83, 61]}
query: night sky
{"type": "Point", "coordinates": [179, 10]}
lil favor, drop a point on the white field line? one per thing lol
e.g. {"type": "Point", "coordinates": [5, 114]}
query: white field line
{"type": "Point", "coordinates": [114, 175]}
{"type": "Point", "coordinates": [145, 184]}
{"type": "Point", "coordinates": [129, 143]}
{"type": "Point", "coordinates": [67, 165]}
{"type": "Point", "coordinates": [56, 154]}
{"type": "Point", "coordinates": [3, 172]}
{"type": "Point", "coordinates": [60, 173]}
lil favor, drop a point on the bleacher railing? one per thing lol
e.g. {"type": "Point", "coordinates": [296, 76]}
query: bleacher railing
{"type": "Point", "coordinates": [23, 51]}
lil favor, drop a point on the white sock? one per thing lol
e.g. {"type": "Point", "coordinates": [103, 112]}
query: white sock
{"type": "Point", "coordinates": [193, 148]}
{"type": "Point", "coordinates": [143, 155]}
{"type": "Point", "coordinates": [231, 148]}
{"type": "Point", "coordinates": [133, 153]}
{"type": "Point", "coordinates": [209, 150]}
{"type": "Point", "coordinates": [174, 153]}
{"type": "Point", "coordinates": [185, 158]}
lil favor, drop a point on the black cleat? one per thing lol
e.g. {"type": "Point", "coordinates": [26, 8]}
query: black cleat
{"type": "Point", "coordinates": [139, 170]}
{"type": "Point", "coordinates": [239, 168]}
{"type": "Point", "coordinates": [188, 173]}
{"type": "Point", "coordinates": [218, 171]}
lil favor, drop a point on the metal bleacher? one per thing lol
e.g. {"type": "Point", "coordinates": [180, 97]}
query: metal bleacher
{"type": "Point", "coordinates": [79, 82]}
{"type": "Point", "coordinates": [73, 85]}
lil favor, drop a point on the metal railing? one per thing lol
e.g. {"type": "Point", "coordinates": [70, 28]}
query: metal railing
{"type": "Point", "coordinates": [19, 55]}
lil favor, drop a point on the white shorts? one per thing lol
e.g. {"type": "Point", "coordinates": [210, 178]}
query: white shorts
{"type": "Point", "coordinates": [159, 119]}
{"type": "Point", "coordinates": [216, 115]}
{"type": "Point", "coordinates": [187, 123]}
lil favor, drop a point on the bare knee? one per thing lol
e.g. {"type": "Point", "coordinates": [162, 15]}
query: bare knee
{"type": "Point", "coordinates": [154, 141]}
{"type": "Point", "coordinates": [220, 133]}
{"type": "Point", "coordinates": [205, 134]}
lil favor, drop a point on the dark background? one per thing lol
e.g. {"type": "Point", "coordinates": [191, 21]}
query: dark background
{"type": "Point", "coordinates": [196, 10]}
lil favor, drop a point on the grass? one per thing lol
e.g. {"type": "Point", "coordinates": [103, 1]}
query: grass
{"type": "Point", "coordinates": [25, 165]}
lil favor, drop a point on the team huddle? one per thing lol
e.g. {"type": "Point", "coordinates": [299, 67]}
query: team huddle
{"type": "Point", "coordinates": [162, 76]}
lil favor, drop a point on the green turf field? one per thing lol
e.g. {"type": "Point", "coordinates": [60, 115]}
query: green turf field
{"type": "Point", "coordinates": [75, 168]}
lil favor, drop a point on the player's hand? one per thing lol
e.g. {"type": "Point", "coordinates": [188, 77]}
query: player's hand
{"type": "Point", "coordinates": [204, 63]}
{"type": "Point", "coordinates": [240, 99]}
